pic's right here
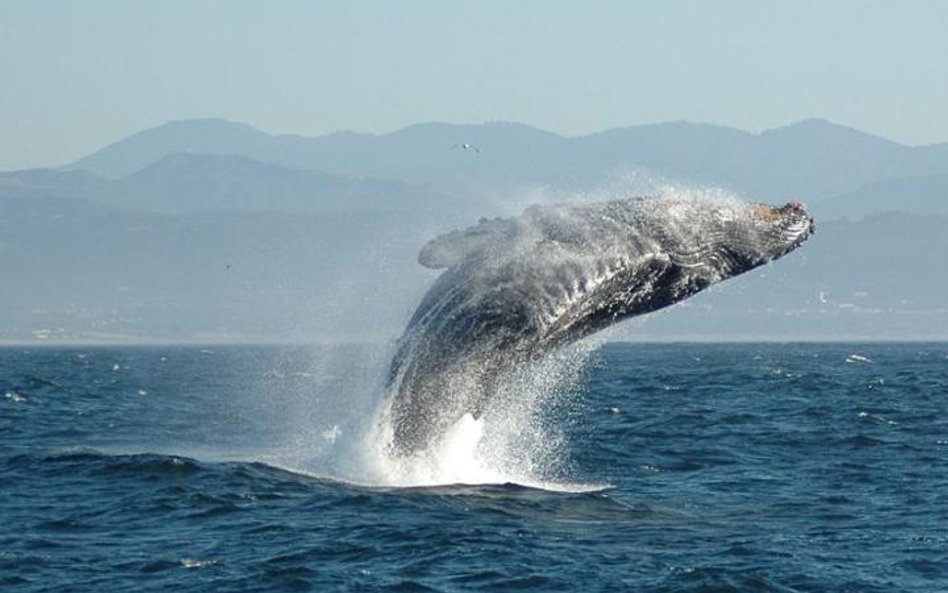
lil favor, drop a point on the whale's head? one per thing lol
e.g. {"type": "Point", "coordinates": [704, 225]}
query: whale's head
{"type": "Point", "coordinates": [726, 238]}
{"type": "Point", "coordinates": [689, 243]}
{"type": "Point", "coordinates": [637, 255]}
{"type": "Point", "coordinates": [775, 231]}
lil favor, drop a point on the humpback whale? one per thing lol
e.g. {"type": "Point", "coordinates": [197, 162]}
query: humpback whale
{"type": "Point", "coordinates": [515, 289]}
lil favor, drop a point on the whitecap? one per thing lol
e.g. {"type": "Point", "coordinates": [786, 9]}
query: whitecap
{"type": "Point", "coordinates": [15, 397]}
{"type": "Point", "coordinates": [195, 563]}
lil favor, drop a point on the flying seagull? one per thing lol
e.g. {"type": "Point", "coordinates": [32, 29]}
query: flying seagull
{"type": "Point", "coordinates": [466, 146]}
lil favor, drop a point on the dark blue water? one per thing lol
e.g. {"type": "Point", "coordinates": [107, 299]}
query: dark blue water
{"type": "Point", "coordinates": [795, 467]}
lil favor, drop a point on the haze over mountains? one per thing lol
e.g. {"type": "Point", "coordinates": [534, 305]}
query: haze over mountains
{"type": "Point", "coordinates": [213, 230]}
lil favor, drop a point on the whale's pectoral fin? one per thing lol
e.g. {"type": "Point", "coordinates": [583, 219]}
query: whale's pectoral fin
{"type": "Point", "coordinates": [450, 248]}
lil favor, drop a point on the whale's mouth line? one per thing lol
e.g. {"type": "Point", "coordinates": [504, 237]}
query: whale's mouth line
{"type": "Point", "coordinates": [799, 231]}
{"type": "Point", "coordinates": [799, 227]}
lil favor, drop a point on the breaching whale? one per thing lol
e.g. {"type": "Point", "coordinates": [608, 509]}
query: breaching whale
{"type": "Point", "coordinates": [515, 289]}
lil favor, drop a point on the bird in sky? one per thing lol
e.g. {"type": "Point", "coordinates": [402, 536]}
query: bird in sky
{"type": "Point", "coordinates": [466, 146]}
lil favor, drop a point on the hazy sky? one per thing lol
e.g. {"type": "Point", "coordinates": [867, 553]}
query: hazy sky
{"type": "Point", "coordinates": [75, 76]}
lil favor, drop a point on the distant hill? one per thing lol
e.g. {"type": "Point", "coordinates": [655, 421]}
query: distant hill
{"type": "Point", "coordinates": [181, 182]}
{"type": "Point", "coordinates": [206, 136]}
{"type": "Point", "coordinates": [45, 183]}
{"type": "Point", "coordinates": [920, 195]}
{"type": "Point", "coordinates": [813, 160]}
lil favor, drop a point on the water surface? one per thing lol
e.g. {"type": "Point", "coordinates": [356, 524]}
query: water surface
{"type": "Point", "coordinates": [743, 467]}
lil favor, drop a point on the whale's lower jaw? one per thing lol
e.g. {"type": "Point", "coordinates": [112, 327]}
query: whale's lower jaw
{"type": "Point", "coordinates": [517, 289]}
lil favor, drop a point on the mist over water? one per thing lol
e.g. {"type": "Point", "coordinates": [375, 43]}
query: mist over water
{"type": "Point", "coordinates": [324, 414]}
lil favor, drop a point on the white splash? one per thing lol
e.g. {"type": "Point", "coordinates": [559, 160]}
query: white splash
{"type": "Point", "coordinates": [516, 441]}
{"type": "Point", "coordinates": [196, 563]}
{"type": "Point", "coordinates": [457, 458]}
{"type": "Point", "coordinates": [15, 397]}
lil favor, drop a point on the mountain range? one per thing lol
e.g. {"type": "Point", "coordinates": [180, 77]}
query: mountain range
{"type": "Point", "coordinates": [813, 160]}
{"type": "Point", "coordinates": [213, 230]}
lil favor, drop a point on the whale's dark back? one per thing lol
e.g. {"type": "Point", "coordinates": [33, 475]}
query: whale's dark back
{"type": "Point", "coordinates": [515, 289]}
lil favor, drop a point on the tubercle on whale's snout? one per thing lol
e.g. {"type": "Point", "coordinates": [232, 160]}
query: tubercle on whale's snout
{"type": "Point", "coordinates": [793, 210]}
{"type": "Point", "coordinates": [772, 213]}
{"type": "Point", "coordinates": [797, 208]}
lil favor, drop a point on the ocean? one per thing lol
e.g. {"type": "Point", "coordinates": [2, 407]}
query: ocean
{"type": "Point", "coordinates": [624, 467]}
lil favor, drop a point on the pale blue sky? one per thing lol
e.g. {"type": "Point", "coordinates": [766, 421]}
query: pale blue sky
{"type": "Point", "coordinates": [75, 76]}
